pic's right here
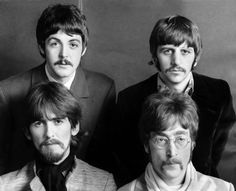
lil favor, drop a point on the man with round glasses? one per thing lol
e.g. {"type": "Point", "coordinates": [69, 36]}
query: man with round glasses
{"type": "Point", "coordinates": [168, 130]}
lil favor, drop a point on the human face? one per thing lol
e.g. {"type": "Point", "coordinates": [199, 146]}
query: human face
{"type": "Point", "coordinates": [63, 54]}
{"type": "Point", "coordinates": [170, 163]}
{"type": "Point", "coordinates": [175, 63]}
{"type": "Point", "coordinates": [52, 137]}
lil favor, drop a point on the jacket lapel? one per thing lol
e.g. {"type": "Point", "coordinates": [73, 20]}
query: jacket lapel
{"type": "Point", "coordinates": [79, 86]}
{"type": "Point", "coordinates": [39, 75]}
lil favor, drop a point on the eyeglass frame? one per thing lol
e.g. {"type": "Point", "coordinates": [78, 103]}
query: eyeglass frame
{"type": "Point", "coordinates": [153, 138]}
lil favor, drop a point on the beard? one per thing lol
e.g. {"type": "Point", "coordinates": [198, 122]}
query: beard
{"type": "Point", "coordinates": [50, 155]}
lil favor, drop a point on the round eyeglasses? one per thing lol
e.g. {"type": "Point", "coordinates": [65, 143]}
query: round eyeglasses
{"type": "Point", "coordinates": [163, 142]}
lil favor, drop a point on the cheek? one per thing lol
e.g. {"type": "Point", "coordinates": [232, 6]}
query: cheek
{"type": "Point", "coordinates": [76, 56]}
{"type": "Point", "coordinates": [65, 135]}
{"type": "Point", "coordinates": [157, 156]}
{"type": "Point", "coordinates": [185, 155]}
{"type": "Point", "coordinates": [37, 140]}
{"type": "Point", "coordinates": [51, 54]}
{"type": "Point", "coordinates": [189, 63]}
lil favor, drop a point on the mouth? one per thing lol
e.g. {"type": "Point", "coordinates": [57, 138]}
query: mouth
{"type": "Point", "coordinates": [175, 71]}
{"type": "Point", "coordinates": [63, 63]}
{"type": "Point", "coordinates": [171, 166]}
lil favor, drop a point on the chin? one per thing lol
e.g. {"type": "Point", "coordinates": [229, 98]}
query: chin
{"type": "Point", "coordinates": [52, 156]}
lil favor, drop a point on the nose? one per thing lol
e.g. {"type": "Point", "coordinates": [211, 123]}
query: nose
{"type": "Point", "coordinates": [63, 52]}
{"type": "Point", "coordinates": [49, 132]}
{"type": "Point", "coordinates": [176, 58]}
{"type": "Point", "coordinates": [171, 149]}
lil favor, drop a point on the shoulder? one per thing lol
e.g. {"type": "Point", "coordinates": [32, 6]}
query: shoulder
{"type": "Point", "coordinates": [209, 82]}
{"type": "Point", "coordinates": [213, 183]}
{"type": "Point", "coordinates": [17, 179]}
{"type": "Point", "coordinates": [90, 175]}
{"type": "Point", "coordinates": [213, 90]}
{"type": "Point", "coordinates": [96, 77]}
{"type": "Point", "coordinates": [18, 83]}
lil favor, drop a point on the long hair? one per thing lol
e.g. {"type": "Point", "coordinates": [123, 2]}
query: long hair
{"type": "Point", "coordinates": [175, 30]}
{"type": "Point", "coordinates": [67, 18]}
{"type": "Point", "coordinates": [53, 97]}
{"type": "Point", "coordinates": [161, 110]}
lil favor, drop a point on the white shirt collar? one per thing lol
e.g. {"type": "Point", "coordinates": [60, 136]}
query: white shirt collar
{"type": "Point", "coordinates": [67, 84]}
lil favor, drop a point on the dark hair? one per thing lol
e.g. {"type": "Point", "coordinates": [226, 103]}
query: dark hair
{"type": "Point", "coordinates": [53, 97]}
{"type": "Point", "coordinates": [67, 18]}
{"type": "Point", "coordinates": [160, 109]}
{"type": "Point", "coordinates": [175, 30]}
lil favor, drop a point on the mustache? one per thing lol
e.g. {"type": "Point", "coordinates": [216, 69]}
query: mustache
{"type": "Point", "coordinates": [175, 68]}
{"type": "Point", "coordinates": [52, 142]}
{"type": "Point", "coordinates": [172, 161]}
{"type": "Point", "coordinates": [63, 62]}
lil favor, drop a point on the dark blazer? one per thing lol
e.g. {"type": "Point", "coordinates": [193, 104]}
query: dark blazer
{"type": "Point", "coordinates": [83, 177]}
{"type": "Point", "coordinates": [216, 115]}
{"type": "Point", "coordinates": [96, 95]}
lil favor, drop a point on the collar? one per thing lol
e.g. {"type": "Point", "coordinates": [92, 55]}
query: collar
{"type": "Point", "coordinates": [154, 182]}
{"type": "Point", "coordinates": [36, 184]}
{"type": "Point", "coordinates": [189, 88]}
{"type": "Point", "coordinates": [51, 79]}
{"type": "Point", "coordinates": [79, 86]}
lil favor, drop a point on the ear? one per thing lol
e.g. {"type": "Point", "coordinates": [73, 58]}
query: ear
{"type": "Point", "coordinates": [85, 48]}
{"type": "Point", "coordinates": [41, 50]}
{"type": "Point", "coordinates": [146, 148]}
{"type": "Point", "coordinates": [27, 134]}
{"type": "Point", "coordinates": [193, 145]}
{"type": "Point", "coordinates": [75, 131]}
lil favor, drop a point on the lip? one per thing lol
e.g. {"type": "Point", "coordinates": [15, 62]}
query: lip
{"type": "Point", "coordinates": [175, 71]}
{"type": "Point", "coordinates": [50, 144]}
{"type": "Point", "coordinates": [171, 166]}
{"type": "Point", "coordinates": [63, 65]}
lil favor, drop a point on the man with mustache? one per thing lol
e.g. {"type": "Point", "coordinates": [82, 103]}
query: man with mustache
{"type": "Point", "coordinates": [62, 37]}
{"type": "Point", "coordinates": [53, 117]}
{"type": "Point", "coordinates": [175, 46]}
{"type": "Point", "coordinates": [168, 130]}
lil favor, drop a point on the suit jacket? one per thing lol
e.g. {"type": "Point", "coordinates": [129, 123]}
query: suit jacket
{"type": "Point", "coordinates": [82, 178]}
{"type": "Point", "coordinates": [201, 182]}
{"type": "Point", "coordinates": [216, 115]}
{"type": "Point", "coordinates": [96, 95]}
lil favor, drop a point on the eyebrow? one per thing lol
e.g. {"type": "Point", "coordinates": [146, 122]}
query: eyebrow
{"type": "Point", "coordinates": [57, 39]}
{"type": "Point", "coordinates": [161, 47]}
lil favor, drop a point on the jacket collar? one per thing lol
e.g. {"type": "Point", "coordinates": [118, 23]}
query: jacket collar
{"type": "Point", "coordinates": [79, 86]}
{"type": "Point", "coordinates": [72, 178]}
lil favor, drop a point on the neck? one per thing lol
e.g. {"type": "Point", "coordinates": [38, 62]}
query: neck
{"type": "Point", "coordinates": [172, 181]}
{"type": "Point", "coordinates": [178, 87]}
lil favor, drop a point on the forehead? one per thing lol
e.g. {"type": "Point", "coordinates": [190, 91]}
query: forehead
{"type": "Point", "coordinates": [175, 128]}
{"type": "Point", "coordinates": [172, 46]}
{"type": "Point", "coordinates": [63, 36]}
{"type": "Point", "coordinates": [48, 114]}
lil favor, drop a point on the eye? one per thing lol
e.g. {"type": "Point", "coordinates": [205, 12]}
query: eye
{"type": "Point", "coordinates": [37, 124]}
{"type": "Point", "coordinates": [185, 51]}
{"type": "Point", "coordinates": [181, 139]}
{"type": "Point", "coordinates": [74, 45]}
{"type": "Point", "coordinates": [167, 51]}
{"type": "Point", "coordinates": [58, 121]}
{"type": "Point", "coordinates": [160, 141]}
